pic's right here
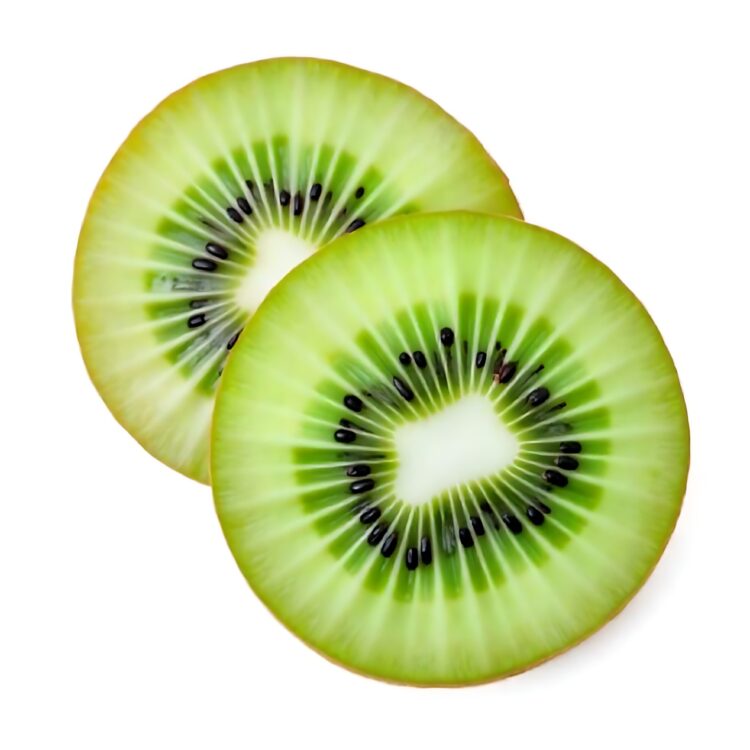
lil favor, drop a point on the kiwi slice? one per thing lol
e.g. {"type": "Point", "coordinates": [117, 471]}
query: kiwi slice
{"type": "Point", "coordinates": [219, 192]}
{"type": "Point", "coordinates": [449, 447]}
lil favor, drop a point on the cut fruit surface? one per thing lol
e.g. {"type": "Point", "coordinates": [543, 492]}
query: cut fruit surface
{"type": "Point", "coordinates": [448, 447]}
{"type": "Point", "coordinates": [220, 191]}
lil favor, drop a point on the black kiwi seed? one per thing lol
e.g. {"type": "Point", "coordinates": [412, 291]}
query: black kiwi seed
{"type": "Point", "coordinates": [284, 197]}
{"type": "Point", "coordinates": [506, 372]}
{"type": "Point", "coordinates": [358, 470]}
{"type": "Point", "coordinates": [206, 223]}
{"type": "Point", "coordinates": [356, 224]}
{"type": "Point", "coordinates": [298, 204]}
{"type": "Point", "coordinates": [377, 533]}
{"type": "Point", "coordinates": [537, 397]}
{"type": "Point", "coordinates": [196, 304]}
{"type": "Point", "coordinates": [497, 365]}
{"type": "Point", "coordinates": [346, 423]}
{"type": "Point", "coordinates": [195, 321]}
{"type": "Point", "coordinates": [446, 337]}
{"type": "Point", "coordinates": [315, 191]}
{"type": "Point", "coordinates": [555, 408]}
{"type": "Point", "coordinates": [420, 360]}
{"type": "Point", "coordinates": [477, 525]}
{"type": "Point", "coordinates": [555, 478]}
{"type": "Point", "coordinates": [481, 359]}
{"type": "Point", "coordinates": [218, 251]}
{"type": "Point", "coordinates": [353, 402]}
{"type": "Point", "coordinates": [566, 462]}
{"type": "Point", "coordinates": [534, 516]}
{"type": "Point", "coordinates": [253, 190]}
{"type": "Point", "coordinates": [403, 389]}
{"type": "Point", "coordinates": [467, 540]}
{"type": "Point", "coordinates": [570, 446]}
{"type": "Point", "coordinates": [235, 215]}
{"type": "Point", "coordinates": [361, 485]}
{"type": "Point", "coordinates": [370, 516]}
{"type": "Point", "coordinates": [412, 558]}
{"type": "Point", "coordinates": [232, 341]}
{"type": "Point", "coordinates": [389, 545]}
{"type": "Point", "coordinates": [425, 550]}
{"type": "Point", "coordinates": [404, 358]}
{"type": "Point", "coordinates": [512, 523]}
{"type": "Point", "coordinates": [344, 436]}
{"type": "Point", "coordinates": [360, 192]}
{"type": "Point", "coordinates": [203, 264]}
{"type": "Point", "coordinates": [244, 205]}
{"type": "Point", "coordinates": [544, 508]}
{"type": "Point", "coordinates": [498, 346]}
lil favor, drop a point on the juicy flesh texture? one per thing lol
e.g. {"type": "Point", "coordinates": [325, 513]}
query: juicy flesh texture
{"type": "Point", "coordinates": [237, 140]}
{"type": "Point", "coordinates": [491, 603]}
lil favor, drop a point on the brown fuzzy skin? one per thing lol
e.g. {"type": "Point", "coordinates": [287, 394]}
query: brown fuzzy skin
{"type": "Point", "coordinates": [595, 628]}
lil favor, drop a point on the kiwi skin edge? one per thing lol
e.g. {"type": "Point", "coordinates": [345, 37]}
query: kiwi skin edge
{"type": "Point", "coordinates": [527, 667]}
{"type": "Point", "coordinates": [121, 418]}
{"type": "Point", "coordinates": [588, 633]}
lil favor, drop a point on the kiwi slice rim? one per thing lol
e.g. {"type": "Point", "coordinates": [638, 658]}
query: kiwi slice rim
{"type": "Point", "coordinates": [191, 165]}
{"type": "Point", "coordinates": [239, 513]}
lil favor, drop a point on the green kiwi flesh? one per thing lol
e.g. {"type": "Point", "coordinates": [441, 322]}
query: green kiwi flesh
{"type": "Point", "coordinates": [221, 190]}
{"type": "Point", "coordinates": [448, 447]}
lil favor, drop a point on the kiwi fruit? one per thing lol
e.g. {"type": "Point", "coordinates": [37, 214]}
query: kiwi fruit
{"type": "Point", "coordinates": [448, 447]}
{"type": "Point", "coordinates": [222, 189]}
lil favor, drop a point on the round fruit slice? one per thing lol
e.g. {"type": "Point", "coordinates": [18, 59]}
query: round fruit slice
{"type": "Point", "coordinates": [217, 194]}
{"type": "Point", "coordinates": [448, 448]}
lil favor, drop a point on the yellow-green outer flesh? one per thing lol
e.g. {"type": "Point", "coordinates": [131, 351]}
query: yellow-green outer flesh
{"type": "Point", "coordinates": [316, 313]}
{"type": "Point", "coordinates": [428, 159]}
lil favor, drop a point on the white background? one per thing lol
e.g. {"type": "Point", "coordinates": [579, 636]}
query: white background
{"type": "Point", "coordinates": [124, 622]}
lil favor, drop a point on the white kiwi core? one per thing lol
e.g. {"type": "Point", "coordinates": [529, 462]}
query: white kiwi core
{"type": "Point", "coordinates": [277, 252]}
{"type": "Point", "coordinates": [466, 441]}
